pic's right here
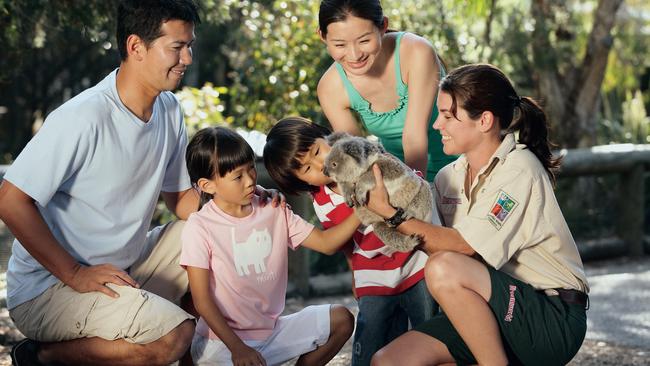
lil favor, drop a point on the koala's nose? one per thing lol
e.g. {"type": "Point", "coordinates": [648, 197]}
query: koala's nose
{"type": "Point", "coordinates": [325, 171]}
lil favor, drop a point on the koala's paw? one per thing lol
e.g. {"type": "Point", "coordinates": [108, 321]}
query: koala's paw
{"type": "Point", "coordinates": [408, 243]}
{"type": "Point", "coordinates": [362, 199]}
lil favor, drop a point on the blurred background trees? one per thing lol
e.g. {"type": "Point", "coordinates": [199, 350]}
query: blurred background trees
{"type": "Point", "coordinates": [257, 61]}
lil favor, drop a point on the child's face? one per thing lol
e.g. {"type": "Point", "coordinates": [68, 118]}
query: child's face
{"type": "Point", "coordinates": [236, 188]}
{"type": "Point", "coordinates": [312, 162]}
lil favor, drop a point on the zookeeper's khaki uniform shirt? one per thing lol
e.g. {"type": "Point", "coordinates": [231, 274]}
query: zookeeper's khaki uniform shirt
{"type": "Point", "coordinates": [512, 218]}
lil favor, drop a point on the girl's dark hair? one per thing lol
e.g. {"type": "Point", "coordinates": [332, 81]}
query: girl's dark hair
{"type": "Point", "coordinates": [287, 141]}
{"type": "Point", "coordinates": [481, 87]}
{"type": "Point", "coordinates": [144, 18]}
{"type": "Point", "coordinates": [216, 151]}
{"type": "Point", "coordinates": [332, 11]}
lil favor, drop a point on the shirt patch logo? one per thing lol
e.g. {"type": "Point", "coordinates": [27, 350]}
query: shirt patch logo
{"type": "Point", "coordinates": [450, 200]}
{"type": "Point", "coordinates": [501, 210]}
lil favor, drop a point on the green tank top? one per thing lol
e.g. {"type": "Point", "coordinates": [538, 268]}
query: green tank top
{"type": "Point", "coordinates": [388, 126]}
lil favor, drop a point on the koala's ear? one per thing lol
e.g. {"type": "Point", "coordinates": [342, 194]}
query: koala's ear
{"type": "Point", "coordinates": [381, 148]}
{"type": "Point", "coordinates": [353, 148]}
{"type": "Point", "coordinates": [368, 148]}
{"type": "Point", "coordinates": [333, 137]}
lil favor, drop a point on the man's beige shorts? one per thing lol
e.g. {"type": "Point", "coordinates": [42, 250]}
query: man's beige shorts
{"type": "Point", "coordinates": [137, 316]}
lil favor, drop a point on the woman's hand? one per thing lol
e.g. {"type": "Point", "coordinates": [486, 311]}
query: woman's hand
{"type": "Point", "coordinates": [378, 196]}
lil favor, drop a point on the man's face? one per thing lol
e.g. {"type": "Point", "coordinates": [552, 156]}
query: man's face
{"type": "Point", "coordinates": [168, 56]}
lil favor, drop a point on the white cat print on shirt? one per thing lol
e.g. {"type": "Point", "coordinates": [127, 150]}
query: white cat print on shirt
{"type": "Point", "coordinates": [251, 252]}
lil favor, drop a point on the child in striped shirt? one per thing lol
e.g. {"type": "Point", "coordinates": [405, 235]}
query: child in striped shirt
{"type": "Point", "coordinates": [389, 285]}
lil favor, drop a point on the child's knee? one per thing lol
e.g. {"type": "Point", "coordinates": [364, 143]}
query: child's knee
{"type": "Point", "coordinates": [341, 320]}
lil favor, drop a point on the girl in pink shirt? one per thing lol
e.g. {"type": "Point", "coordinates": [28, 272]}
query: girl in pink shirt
{"type": "Point", "coordinates": [235, 253]}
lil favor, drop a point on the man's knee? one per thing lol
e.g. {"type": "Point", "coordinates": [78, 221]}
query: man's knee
{"type": "Point", "coordinates": [172, 346]}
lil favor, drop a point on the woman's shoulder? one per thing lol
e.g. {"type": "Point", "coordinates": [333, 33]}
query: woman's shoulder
{"type": "Point", "coordinates": [331, 85]}
{"type": "Point", "coordinates": [412, 44]}
{"type": "Point", "coordinates": [525, 162]}
{"type": "Point", "coordinates": [418, 57]}
{"type": "Point", "coordinates": [330, 79]}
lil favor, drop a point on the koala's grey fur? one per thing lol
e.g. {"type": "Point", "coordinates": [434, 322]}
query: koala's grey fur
{"type": "Point", "coordinates": [349, 163]}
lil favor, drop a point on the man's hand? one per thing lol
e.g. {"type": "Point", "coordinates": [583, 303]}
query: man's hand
{"type": "Point", "coordinates": [273, 195]}
{"type": "Point", "coordinates": [243, 355]}
{"type": "Point", "coordinates": [95, 278]}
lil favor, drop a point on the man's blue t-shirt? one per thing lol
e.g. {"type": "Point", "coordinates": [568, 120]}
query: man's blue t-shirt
{"type": "Point", "coordinates": [96, 171]}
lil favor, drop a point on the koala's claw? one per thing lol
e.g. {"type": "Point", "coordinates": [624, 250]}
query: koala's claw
{"type": "Point", "coordinates": [408, 243]}
{"type": "Point", "coordinates": [350, 201]}
{"type": "Point", "coordinates": [362, 200]}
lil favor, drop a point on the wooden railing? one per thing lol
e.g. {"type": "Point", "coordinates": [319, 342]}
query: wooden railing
{"type": "Point", "coordinates": [630, 162]}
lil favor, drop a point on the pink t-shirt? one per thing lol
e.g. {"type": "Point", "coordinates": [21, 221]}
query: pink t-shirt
{"type": "Point", "coordinates": [247, 259]}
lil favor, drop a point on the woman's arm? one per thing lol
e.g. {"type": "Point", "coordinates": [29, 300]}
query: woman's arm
{"type": "Point", "coordinates": [199, 286]}
{"type": "Point", "coordinates": [436, 238]}
{"type": "Point", "coordinates": [331, 240]}
{"type": "Point", "coordinates": [421, 74]}
{"type": "Point", "coordinates": [334, 101]}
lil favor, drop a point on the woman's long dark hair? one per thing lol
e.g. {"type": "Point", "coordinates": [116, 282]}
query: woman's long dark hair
{"type": "Point", "coordinates": [481, 87]}
{"type": "Point", "coordinates": [215, 151]}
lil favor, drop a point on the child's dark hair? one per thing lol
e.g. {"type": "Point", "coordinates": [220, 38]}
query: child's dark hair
{"type": "Point", "coordinates": [216, 151]}
{"type": "Point", "coordinates": [482, 87]}
{"type": "Point", "coordinates": [287, 141]}
{"type": "Point", "coordinates": [144, 18]}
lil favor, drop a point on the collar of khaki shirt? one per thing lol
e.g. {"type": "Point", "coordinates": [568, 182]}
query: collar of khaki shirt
{"type": "Point", "coordinates": [461, 165]}
{"type": "Point", "coordinates": [507, 145]}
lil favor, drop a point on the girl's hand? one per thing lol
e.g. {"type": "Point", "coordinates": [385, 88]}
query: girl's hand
{"type": "Point", "coordinates": [378, 196]}
{"type": "Point", "coordinates": [276, 197]}
{"type": "Point", "coordinates": [243, 355]}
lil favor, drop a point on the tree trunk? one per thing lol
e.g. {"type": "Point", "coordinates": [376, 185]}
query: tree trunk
{"type": "Point", "coordinates": [572, 99]}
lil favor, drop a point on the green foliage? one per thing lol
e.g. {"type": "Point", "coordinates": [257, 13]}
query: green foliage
{"type": "Point", "coordinates": [203, 107]}
{"type": "Point", "coordinates": [276, 59]}
{"type": "Point", "coordinates": [635, 119]}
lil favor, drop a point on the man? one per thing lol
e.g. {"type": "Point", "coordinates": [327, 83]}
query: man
{"type": "Point", "coordinates": [86, 279]}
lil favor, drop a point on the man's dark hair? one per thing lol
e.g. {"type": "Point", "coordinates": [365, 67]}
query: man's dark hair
{"type": "Point", "coordinates": [144, 18]}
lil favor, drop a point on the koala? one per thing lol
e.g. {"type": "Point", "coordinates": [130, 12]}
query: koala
{"type": "Point", "coordinates": [349, 163]}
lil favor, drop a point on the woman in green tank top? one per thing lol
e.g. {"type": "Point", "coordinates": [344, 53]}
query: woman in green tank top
{"type": "Point", "coordinates": [389, 80]}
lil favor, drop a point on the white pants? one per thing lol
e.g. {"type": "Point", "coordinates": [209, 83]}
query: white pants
{"type": "Point", "coordinates": [294, 335]}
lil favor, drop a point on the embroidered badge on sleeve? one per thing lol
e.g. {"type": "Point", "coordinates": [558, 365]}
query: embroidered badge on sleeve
{"type": "Point", "coordinates": [501, 210]}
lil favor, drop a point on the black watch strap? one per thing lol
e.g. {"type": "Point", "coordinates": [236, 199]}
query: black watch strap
{"type": "Point", "coordinates": [396, 219]}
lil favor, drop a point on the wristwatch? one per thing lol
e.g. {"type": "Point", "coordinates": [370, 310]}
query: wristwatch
{"type": "Point", "coordinates": [395, 220]}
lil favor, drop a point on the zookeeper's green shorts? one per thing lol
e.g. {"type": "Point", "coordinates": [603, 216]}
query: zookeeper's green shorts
{"type": "Point", "coordinates": [536, 329]}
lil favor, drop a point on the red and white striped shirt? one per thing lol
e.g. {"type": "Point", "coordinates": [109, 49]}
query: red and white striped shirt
{"type": "Point", "coordinates": [378, 269]}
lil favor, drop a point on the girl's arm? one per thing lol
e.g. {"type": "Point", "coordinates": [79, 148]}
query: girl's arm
{"type": "Point", "coordinates": [199, 286]}
{"type": "Point", "coordinates": [331, 240]}
{"type": "Point", "coordinates": [335, 103]}
{"type": "Point", "coordinates": [421, 74]}
{"type": "Point", "coordinates": [435, 237]}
